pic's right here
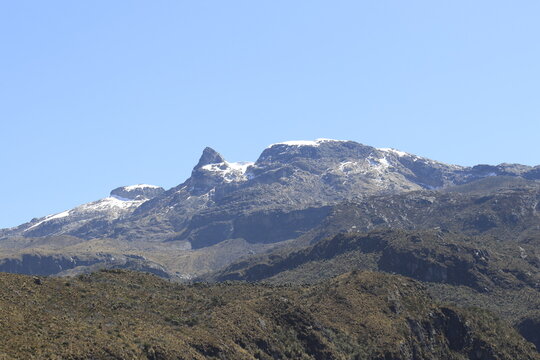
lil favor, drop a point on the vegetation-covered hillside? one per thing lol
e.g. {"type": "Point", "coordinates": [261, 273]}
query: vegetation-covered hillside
{"type": "Point", "coordinates": [480, 271]}
{"type": "Point", "coordinates": [126, 315]}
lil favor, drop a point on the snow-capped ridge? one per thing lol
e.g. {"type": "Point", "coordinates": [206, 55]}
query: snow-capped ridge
{"type": "Point", "coordinates": [316, 142]}
{"type": "Point", "coordinates": [49, 218]}
{"type": "Point", "coordinates": [141, 186]}
{"type": "Point", "coordinates": [121, 201]}
{"type": "Point", "coordinates": [112, 206]}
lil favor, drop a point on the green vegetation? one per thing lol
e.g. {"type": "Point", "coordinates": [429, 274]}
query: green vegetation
{"type": "Point", "coordinates": [126, 315]}
{"type": "Point", "coordinates": [473, 271]}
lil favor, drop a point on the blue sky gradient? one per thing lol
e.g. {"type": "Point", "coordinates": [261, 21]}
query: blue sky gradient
{"type": "Point", "coordinates": [99, 94]}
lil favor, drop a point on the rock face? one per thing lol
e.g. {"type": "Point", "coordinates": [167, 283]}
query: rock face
{"type": "Point", "coordinates": [209, 156]}
{"type": "Point", "coordinates": [42, 265]}
{"type": "Point", "coordinates": [530, 329]}
{"type": "Point", "coordinates": [36, 264]}
{"type": "Point", "coordinates": [137, 192]}
{"type": "Point", "coordinates": [432, 256]}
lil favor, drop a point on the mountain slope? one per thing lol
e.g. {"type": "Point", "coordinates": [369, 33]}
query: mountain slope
{"type": "Point", "coordinates": [292, 190]}
{"type": "Point", "coordinates": [480, 271]}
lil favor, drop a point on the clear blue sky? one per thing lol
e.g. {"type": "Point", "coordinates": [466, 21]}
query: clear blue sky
{"type": "Point", "coordinates": [99, 94]}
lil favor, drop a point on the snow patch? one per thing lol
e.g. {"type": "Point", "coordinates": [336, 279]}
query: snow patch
{"type": "Point", "coordinates": [140, 186]}
{"type": "Point", "coordinates": [315, 143]}
{"type": "Point", "coordinates": [230, 172]}
{"type": "Point", "coordinates": [347, 166]}
{"type": "Point", "coordinates": [50, 217]}
{"type": "Point", "coordinates": [59, 215]}
{"type": "Point", "coordinates": [297, 143]}
{"type": "Point", "coordinates": [384, 162]}
{"type": "Point", "coordinates": [416, 158]}
{"type": "Point", "coordinates": [369, 165]}
{"type": "Point", "coordinates": [378, 164]}
{"type": "Point", "coordinates": [120, 198]}
{"type": "Point", "coordinates": [394, 151]}
{"type": "Point", "coordinates": [112, 202]}
{"type": "Point", "coordinates": [241, 166]}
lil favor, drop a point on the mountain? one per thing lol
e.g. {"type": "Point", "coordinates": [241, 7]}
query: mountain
{"type": "Point", "coordinates": [227, 210]}
{"type": "Point", "coordinates": [307, 213]}
{"type": "Point", "coordinates": [359, 315]}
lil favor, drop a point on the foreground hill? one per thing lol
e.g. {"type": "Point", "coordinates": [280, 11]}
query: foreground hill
{"type": "Point", "coordinates": [482, 270]}
{"type": "Point", "coordinates": [124, 315]}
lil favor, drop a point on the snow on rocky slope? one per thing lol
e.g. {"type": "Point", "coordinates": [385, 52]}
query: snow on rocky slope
{"type": "Point", "coordinates": [121, 202]}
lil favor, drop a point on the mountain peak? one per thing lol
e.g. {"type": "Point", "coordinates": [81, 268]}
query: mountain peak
{"type": "Point", "coordinates": [137, 192]}
{"type": "Point", "coordinates": [209, 156]}
{"type": "Point", "coordinates": [285, 152]}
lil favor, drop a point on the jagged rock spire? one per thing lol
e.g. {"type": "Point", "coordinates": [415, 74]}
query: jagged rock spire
{"type": "Point", "coordinates": [209, 156]}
